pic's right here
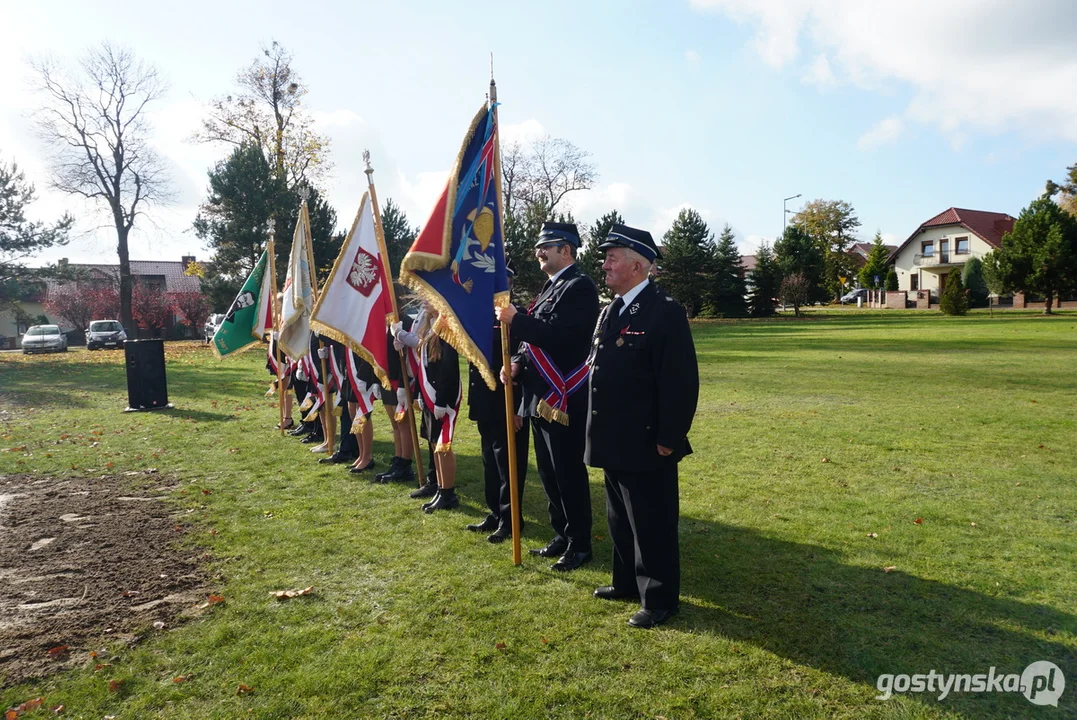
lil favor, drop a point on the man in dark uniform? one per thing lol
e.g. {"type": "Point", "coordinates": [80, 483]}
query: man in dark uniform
{"type": "Point", "coordinates": [643, 390]}
{"type": "Point", "coordinates": [487, 408]}
{"type": "Point", "coordinates": [557, 332]}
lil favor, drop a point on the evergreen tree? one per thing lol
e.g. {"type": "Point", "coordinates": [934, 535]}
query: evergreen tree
{"type": "Point", "coordinates": [954, 300]}
{"type": "Point", "coordinates": [891, 279]}
{"type": "Point", "coordinates": [688, 260]}
{"type": "Point", "coordinates": [765, 279]}
{"type": "Point", "coordinates": [972, 275]}
{"type": "Point", "coordinates": [798, 254]}
{"type": "Point", "coordinates": [590, 258]}
{"type": "Point", "coordinates": [727, 289]}
{"type": "Point", "coordinates": [875, 265]}
{"type": "Point", "coordinates": [1040, 254]}
{"type": "Point", "coordinates": [399, 234]}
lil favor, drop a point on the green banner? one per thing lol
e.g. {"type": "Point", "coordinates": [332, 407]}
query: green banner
{"type": "Point", "coordinates": [242, 326]}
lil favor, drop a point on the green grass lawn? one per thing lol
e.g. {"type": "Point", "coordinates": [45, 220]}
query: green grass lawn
{"type": "Point", "coordinates": [871, 492]}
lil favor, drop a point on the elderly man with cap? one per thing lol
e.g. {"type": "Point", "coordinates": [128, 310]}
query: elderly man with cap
{"type": "Point", "coordinates": [555, 333]}
{"type": "Point", "coordinates": [643, 390]}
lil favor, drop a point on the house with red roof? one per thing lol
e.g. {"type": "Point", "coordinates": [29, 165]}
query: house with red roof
{"type": "Point", "coordinates": [944, 244]}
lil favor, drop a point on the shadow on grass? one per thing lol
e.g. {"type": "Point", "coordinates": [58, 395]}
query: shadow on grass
{"type": "Point", "coordinates": [803, 603]}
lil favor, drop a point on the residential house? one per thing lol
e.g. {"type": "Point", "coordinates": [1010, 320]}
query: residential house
{"type": "Point", "coordinates": [944, 244]}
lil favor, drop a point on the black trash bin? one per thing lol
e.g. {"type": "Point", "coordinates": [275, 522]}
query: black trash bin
{"type": "Point", "coordinates": [147, 388]}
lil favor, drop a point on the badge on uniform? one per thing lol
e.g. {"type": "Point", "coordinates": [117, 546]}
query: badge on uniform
{"type": "Point", "coordinates": [620, 342]}
{"type": "Point", "coordinates": [634, 309]}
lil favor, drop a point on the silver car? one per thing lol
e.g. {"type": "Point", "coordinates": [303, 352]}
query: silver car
{"type": "Point", "coordinates": [105, 334]}
{"type": "Point", "coordinates": [44, 338]}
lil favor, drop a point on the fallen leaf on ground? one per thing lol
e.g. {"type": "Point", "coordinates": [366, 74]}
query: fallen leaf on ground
{"type": "Point", "coordinates": [973, 524]}
{"type": "Point", "coordinates": [114, 685]}
{"type": "Point", "coordinates": [826, 459]}
{"type": "Point", "coordinates": [214, 599]}
{"type": "Point", "coordinates": [56, 709]}
{"type": "Point", "coordinates": [181, 678]}
{"type": "Point", "coordinates": [57, 651]}
{"type": "Point", "coordinates": [889, 568]}
{"type": "Point", "coordinates": [500, 646]}
{"type": "Point", "coordinates": [919, 521]}
{"type": "Point", "coordinates": [289, 594]}
{"type": "Point", "coordinates": [244, 689]}
{"type": "Point", "coordinates": [873, 535]}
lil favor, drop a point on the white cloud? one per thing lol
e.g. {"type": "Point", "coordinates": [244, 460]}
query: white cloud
{"type": "Point", "coordinates": [885, 131]}
{"type": "Point", "coordinates": [417, 197]}
{"type": "Point", "coordinates": [985, 65]}
{"type": "Point", "coordinates": [819, 73]}
{"type": "Point", "coordinates": [692, 59]}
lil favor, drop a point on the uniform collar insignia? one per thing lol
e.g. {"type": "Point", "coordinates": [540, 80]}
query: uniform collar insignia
{"type": "Point", "coordinates": [633, 309]}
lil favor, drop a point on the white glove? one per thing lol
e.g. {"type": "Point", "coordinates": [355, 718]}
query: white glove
{"type": "Point", "coordinates": [395, 328]}
{"type": "Point", "coordinates": [323, 353]}
{"type": "Point", "coordinates": [362, 387]}
{"type": "Point", "coordinates": [401, 396]}
{"type": "Point", "coordinates": [397, 345]}
{"type": "Point", "coordinates": [440, 412]}
{"type": "Point", "coordinates": [301, 376]}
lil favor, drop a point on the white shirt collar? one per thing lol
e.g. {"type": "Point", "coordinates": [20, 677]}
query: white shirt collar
{"type": "Point", "coordinates": [629, 296]}
{"type": "Point", "coordinates": [559, 273]}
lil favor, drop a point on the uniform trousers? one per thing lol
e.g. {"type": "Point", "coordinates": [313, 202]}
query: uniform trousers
{"type": "Point", "coordinates": [559, 457]}
{"type": "Point", "coordinates": [643, 509]}
{"type": "Point", "coordinates": [493, 437]}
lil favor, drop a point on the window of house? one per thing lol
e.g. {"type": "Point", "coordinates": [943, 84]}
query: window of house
{"type": "Point", "coordinates": [914, 282]}
{"type": "Point", "coordinates": [927, 249]}
{"type": "Point", "coordinates": [962, 246]}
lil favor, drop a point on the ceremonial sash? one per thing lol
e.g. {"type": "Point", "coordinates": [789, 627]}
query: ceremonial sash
{"type": "Point", "coordinates": [429, 395]}
{"type": "Point", "coordinates": [364, 400]}
{"type": "Point", "coordinates": [554, 406]}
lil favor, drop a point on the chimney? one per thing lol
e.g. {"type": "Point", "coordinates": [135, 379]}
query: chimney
{"type": "Point", "coordinates": [187, 260]}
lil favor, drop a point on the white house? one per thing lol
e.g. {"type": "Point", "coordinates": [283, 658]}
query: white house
{"type": "Point", "coordinates": [943, 244]}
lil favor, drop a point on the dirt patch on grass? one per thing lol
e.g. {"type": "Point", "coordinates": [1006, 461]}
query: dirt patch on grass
{"type": "Point", "coordinates": [86, 563]}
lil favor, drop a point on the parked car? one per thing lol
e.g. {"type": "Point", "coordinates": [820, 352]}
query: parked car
{"type": "Point", "coordinates": [212, 323]}
{"type": "Point", "coordinates": [105, 333]}
{"type": "Point", "coordinates": [44, 338]}
{"type": "Point", "coordinates": [852, 295]}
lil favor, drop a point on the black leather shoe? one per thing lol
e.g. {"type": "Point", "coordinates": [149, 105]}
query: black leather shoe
{"type": "Point", "coordinates": [312, 439]}
{"type": "Point", "coordinates": [609, 592]}
{"type": "Point", "coordinates": [366, 468]}
{"type": "Point", "coordinates": [442, 501]}
{"type": "Point", "coordinates": [571, 560]}
{"type": "Point", "coordinates": [647, 619]}
{"type": "Point", "coordinates": [488, 524]}
{"type": "Point", "coordinates": [303, 429]}
{"type": "Point", "coordinates": [337, 458]}
{"type": "Point", "coordinates": [428, 490]}
{"type": "Point", "coordinates": [390, 468]}
{"type": "Point", "coordinates": [503, 533]}
{"type": "Point", "coordinates": [556, 548]}
{"type": "Point", "coordinates": [403, 473]}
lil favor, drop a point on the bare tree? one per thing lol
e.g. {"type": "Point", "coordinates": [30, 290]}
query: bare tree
{"type": "Point", "coordinates": [94, 125]}
{"type": "Point", "coordinates": [543, 173]}
{"type": "Point", "coordinates": [268, 112]}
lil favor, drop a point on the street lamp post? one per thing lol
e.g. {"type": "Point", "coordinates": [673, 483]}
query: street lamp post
{"type": "Point", "coordinates": [786, 212]}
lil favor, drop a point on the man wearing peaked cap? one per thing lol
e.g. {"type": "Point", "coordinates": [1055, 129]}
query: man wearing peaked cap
{"type": "Point", "coordinates": [555, 335]}
{"type": "Point", "coordinates": [642, 393]}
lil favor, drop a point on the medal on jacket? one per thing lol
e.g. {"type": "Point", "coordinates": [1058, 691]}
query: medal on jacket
{"type": "Point", "coordinates": [620, 342]}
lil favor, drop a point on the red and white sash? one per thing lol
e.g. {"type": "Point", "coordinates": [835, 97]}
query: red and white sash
{"type": "Point", "coordinates": [554, 405]}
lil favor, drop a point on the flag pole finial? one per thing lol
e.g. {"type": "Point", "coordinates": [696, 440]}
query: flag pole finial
{"type": "Point", "coordinates": [304, 193]}
{"type": "Point", "coordinates": [369, 169]}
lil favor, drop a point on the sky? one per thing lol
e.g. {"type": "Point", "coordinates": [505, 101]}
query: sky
{"type": "Point", "coordinates": [726, 106]}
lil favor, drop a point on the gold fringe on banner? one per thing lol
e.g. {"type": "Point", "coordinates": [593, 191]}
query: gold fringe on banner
{"type": "Point", "coordinates": [308, 403]}
{"type": "Point", "coordinates": [358, 425]}
{"type": "Point", "coordinates": [443, 448]}
{"type": "Point", "coordinates": [552, 414]}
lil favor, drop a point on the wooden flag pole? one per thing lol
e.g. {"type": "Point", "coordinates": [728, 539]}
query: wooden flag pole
{"type": "Point", "coordinates": [379, 232]}
{"type": "Point", "coordinates": [506, 361]}
{"type": "Point", "coordinates": [327, 412]}
{"type": "Point", "coordinates": [272, 249]}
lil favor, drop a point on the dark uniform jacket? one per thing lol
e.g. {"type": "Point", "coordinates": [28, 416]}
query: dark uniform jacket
{"type": "Point", "coordinates": [560, 321]}
{"type": "Point", "coordinates": [444, 375]}
{"type": "Point", "coordinates": [644, 385]}
{"type": "Point", "coordinates": [484, 404]}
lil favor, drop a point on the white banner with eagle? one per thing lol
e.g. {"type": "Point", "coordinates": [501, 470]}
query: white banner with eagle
{"type": "Point", "coordinates": [355, 301]}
